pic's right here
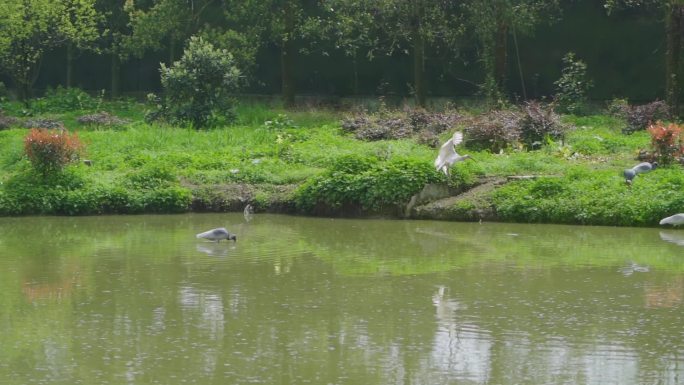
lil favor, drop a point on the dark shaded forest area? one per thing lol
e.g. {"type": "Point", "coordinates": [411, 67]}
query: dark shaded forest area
{"type": "Point", "coordinates": [624, 53]}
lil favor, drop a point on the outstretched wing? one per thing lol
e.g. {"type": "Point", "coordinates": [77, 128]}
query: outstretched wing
{"type": "Point", "coordinates": [457, 138]}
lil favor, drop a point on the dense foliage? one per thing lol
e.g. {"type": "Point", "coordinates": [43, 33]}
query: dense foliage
{"type": "Point", "coordinates": [197, 88]}
{"type": "Point", "coordinates": [353, 181]}
{"type": "Point", "coordinates": [573, 86]}
{"type": "Point", "coordinates": [51, 151]}
{"type": "Point", "coordinates": [306, 162]}
{"type": "Point", "coordinates": [340, 47]}
{"type": "Point", "coordinates": [667, 141]}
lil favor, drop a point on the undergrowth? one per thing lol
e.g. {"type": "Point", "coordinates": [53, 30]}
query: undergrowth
{"type": "Point", "coordinates": [139, 168]}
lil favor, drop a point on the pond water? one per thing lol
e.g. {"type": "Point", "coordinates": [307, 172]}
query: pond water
{"type": "Point", "coordinates": [140, 300]}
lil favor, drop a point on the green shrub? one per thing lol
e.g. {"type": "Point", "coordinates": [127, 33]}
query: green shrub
{"type": "Point", "coordinates": [173, 199]}
{"type": "Point", "coordinates": [353, 164]}
{"type": "Point", "coordinates": [197, 87]}
{"type": "Point", "coordinates": [572, 87]}
{"type": "Point", "coordinates": [62, 99]}
{"type": "Point", "coordinates": [51, 151]}
{"type": "Point", "coordinates": [591, 197]}
{"type": "Point", "coordinates": [367, 183]}
{"type": "Point", "coordinates": [151, 177]}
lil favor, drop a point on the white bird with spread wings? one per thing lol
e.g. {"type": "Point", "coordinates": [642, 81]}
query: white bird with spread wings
{"type": "Point", "coordinates": [448, 155]}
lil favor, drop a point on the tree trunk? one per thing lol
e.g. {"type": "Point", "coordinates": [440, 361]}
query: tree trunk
{"type": "Point", "coordinates": [116, 75]}
{"type": "Point", "coordinates": [69, 65]}
{"type": "Point", "coordinates": [419, 70]}
{"type": "Point", "coordinates": [419, 56]}
{"type": "Point", "coordinates": [286, 69]}
{"type": "Point", "coordinates": [287, 52]}
{"type": "Point", "coordinates": [673, 27]}
{"type": "Point", "coordinates": [355, 79]}
{"type": "Point", "coordinates": [500, 56]}
{"type": "Point", "coordinates": [172, 50]}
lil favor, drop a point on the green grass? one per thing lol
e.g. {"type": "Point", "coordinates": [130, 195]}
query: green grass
{"type": "Point", "coordinates": [299, 148]}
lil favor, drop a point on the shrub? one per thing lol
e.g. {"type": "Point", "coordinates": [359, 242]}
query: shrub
{"type": "Point", "coordinates": [280, 122]}
{"type": "Point", "coordinates": [494, 130]}
{"type": "Point", "coordinates": [366, 182]}
{"type": "Point", "coordinates": [51, 151]}
{"type": "Point", "coordinates": [62, 99]}
{"type": "Point", "coordinates": [45, 123]}
{"type": "Point", "coordinates": [100, 119]}
{"type": "Point", "coordinates": [7, 121]}
{"type": "Point", "coordinates": [538, 123]}
{"type": "Point", "coordinates": [573, 86]}
{"type": "Point", "coordinates": [197, 87]}
{"type": "Point", "coordinates": [639, 117]}
{"type": "Point", "coordinates": [667, 141]}
{"type": "Point", "coordinates": [399, 124]}
{"type": "Point", "coordinates": [151, 177]}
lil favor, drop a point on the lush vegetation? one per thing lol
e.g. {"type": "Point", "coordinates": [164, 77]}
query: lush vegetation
{"type": "Point", "coordinates": [504, 50]}
{"type": "Point", "coordinates": [314, 161]}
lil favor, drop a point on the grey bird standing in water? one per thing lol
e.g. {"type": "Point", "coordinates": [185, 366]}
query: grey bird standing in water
{"type": "Point", "coordinates": [640, 168]}
{"type": "Point", "coordinates": [674, 220]}
{"type": "Point", "coordinates": [217, 235]}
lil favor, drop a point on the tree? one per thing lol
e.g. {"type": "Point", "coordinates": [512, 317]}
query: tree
{"type": "Point", "coordinates": [198, 86]}
{"type": "Point", "coordinates": [174, 21]}
{"type": "Point", "coordinates": [350, 27]}
{"type": "Point", "coordinates": [171, 21]}
{"type": "Point", "coordinates": [391, 26]}
{"type": "Point", "coordinates": [82, 30]}
{"type": "Point", "coordinates": [674, 25]}
{"type": "Point", "coordinates": [285, 23]}
{"type": "Point", "coordinates": [133, 28]}
{"type": "Point", "coordinates": [116, 30]}
{"type": "Point", "coordinates": [492, 22]}
{"type": "Point", "coordinates": [30, 28]}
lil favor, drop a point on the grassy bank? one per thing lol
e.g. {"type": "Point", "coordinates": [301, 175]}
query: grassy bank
{"type": "Point", "coordinates": [302, 161]}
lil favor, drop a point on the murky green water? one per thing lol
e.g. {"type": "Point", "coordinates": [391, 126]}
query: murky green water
{"type": "Point", "coordinates": [139, 300]}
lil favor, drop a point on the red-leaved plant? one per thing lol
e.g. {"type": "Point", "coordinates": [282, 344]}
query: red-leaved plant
{"type": "Point", "coordinates": [51, 150]}
{"type": "Point", "coordinates": [667, 141]}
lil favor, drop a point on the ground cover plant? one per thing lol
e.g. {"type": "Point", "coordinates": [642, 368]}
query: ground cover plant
{"type": "Point", "coordinates": [310, 161]}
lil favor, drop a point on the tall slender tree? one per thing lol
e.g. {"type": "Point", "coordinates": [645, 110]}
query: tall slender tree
{"type": "Point", "coordinates": [82, 31]}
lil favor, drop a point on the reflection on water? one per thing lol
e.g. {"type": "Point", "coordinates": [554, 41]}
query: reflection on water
{"type": "Point", "coordinates": [140, 300]}
{"type": "Point", "coordinates": [676, 237]}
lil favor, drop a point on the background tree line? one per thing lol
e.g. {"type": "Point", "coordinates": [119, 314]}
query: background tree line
{"type": "Point", "coordinates": [500, 49]}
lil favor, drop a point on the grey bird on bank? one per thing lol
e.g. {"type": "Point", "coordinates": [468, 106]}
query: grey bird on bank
{"type": "Point", "coordinates": [448, 155]}
{"type": "Point", "coordinates": [640, 168]}
{"type": "Point", "coordinates": [674, 220]}
{"type": "Point", "coordinates": [217, 235]}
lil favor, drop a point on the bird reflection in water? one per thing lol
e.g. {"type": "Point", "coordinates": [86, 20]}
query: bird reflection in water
{"type": "Point", "coordinates": [676, 237]}
{"type": "Point", "coordinates": [215, 249]}
{"type": "Point", "coordinates": [634, 268]}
